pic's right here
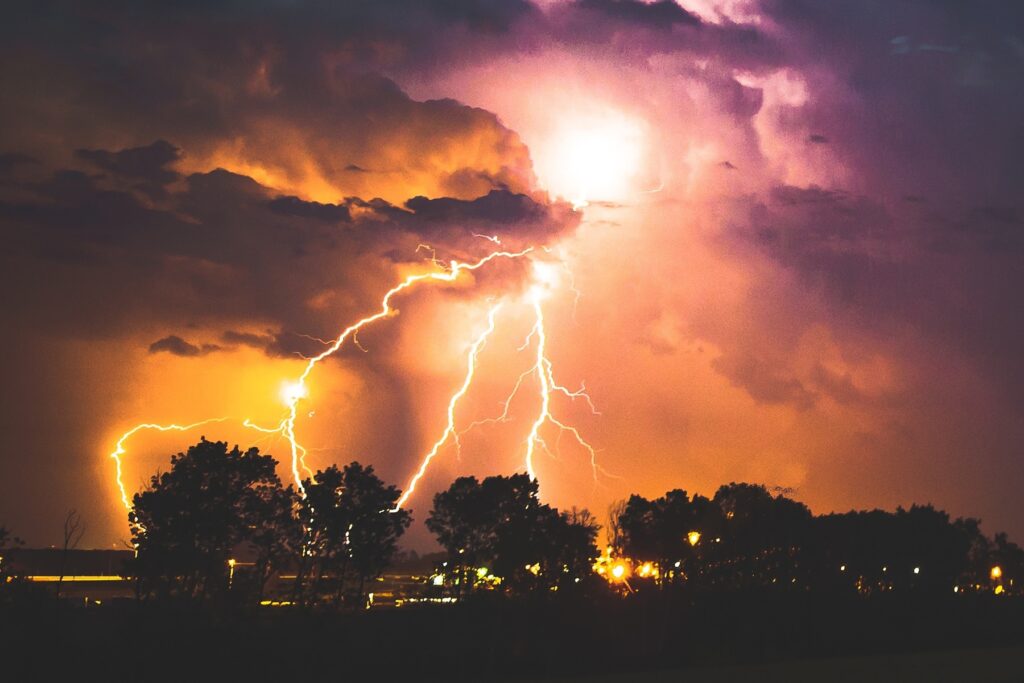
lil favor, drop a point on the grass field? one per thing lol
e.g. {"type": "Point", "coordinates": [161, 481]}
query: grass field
{"type": "Point", "coordinates": [998, 665]}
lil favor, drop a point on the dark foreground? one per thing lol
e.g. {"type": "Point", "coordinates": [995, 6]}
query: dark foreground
{"type": "Point", "coordinates": [991, 665]}
{"type": "Point", "coordinates": [763, 636]}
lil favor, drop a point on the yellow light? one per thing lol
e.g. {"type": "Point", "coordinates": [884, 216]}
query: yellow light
{"type": "Point", "coordinates": [231, 563]}
{"type": "Point", "coordinates": [546, 276]}
{"type": "Point", "coordinates": [646, 569]}
{"type": "Point", "coordinates": [438, 580]}
{"type": "Point", "coordinates": [693, 537]}
{"type": "Point", "coordinates": [293, 392]}
{"type": "Point", "coordinates": [482, 572]}
{"type": "Point", "coordinates": [999, 589]}
{"type": "Point", "coordinates": [997, 572]}
{"type": "Point", "coordinates": [592, 156]}
{"type": "Point", "coordinates": [41, 578]}
{"type": "Point", "coordinates": [619, 571]}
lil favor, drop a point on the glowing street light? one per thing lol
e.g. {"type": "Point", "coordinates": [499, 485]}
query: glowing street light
{"type": "Point", "coordinates": [693, 537]}
{"type": "Point", "coordinates": [996, 573]}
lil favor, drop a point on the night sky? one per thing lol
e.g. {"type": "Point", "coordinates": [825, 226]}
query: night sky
{"type": "Point", "coordinates": [782, 241]}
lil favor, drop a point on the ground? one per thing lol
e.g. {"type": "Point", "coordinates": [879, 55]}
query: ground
{"type": "Point", "coordinates": [997, 665]}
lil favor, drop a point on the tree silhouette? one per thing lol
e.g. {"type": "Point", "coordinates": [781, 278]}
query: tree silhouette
{"type": "Point", "coordinates": [8, 541]}
{"type": "Point", "coordinates": [747, 537]}
{"type": "Point", "coordinates": [278, 539]}
{"type": "Point", "coordinates": [352, 527]}
{"type": "Point", "coordinates": [500, 527]}
{"type": "Point", "coordinates": [73, 530]}
{"type": "Point", "coordinates": [570, 549]}
{"type": "Point", "coordinates": [667, 530]}
{"type": "Point", "coordinates": [517, 523]}
{"type": "Point", "coordinates": [614, 536]}
{"type": "Point", "coordinates": [1009, 557]}
{"type": "Point", "coordinates": [762, 536]}
{"type": "Point", "coordinates": [190, 520]}
{"type": "Point", "coordinates": [463, 521]}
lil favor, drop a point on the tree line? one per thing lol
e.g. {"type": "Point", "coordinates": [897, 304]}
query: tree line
{"type": "Point", "coordinates": [215, 503]}
{"type": "Point", "coordinates": [744, 537]}
{"type": "Point", "coordinates": [325, 547]}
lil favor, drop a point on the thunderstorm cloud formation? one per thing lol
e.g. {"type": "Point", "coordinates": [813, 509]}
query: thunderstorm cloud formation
{"type": "Point", "coordinates": [782, 264]}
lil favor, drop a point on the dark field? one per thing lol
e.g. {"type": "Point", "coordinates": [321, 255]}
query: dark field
{"type": "Point", "coordinates": [995, 665]}
{"type": "Point", "coordinates": [753, 636]}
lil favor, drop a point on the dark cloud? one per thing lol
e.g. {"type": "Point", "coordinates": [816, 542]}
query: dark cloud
{"type": "Point", "coordinates": [222, 247]}
{"type": "Point", "coordinates": [280, 344]}
{"type": "Point", "coordinates": [175, 345]}
{"type": "Point", "coordinates": [838, 386]}
{"type": "Point", "coordinates": [497, 208]}
{"type": "Point", "coordinates": [297, 93]}
{"type": "Point", "coordinates": [259, 341]}
{"type": "Point", "coordinates": [293, 206]}
{"type": "Point", "coordinates": [9, 161]}
{"type": "Point", "coordinates": [950, 271]}
{"type": "Point", "coordinates": [764, 381]}
{"type": "Point", "coordinates": [148, 164]}
{"type": "Point", "coordinates": [661, 13]}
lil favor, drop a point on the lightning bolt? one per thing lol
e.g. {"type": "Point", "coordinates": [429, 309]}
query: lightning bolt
{"type": "Point", "coordinates": [449, 430]}
{"type": "Point", "coordinates": [542, 369]}
{"type": "Point", "coordinates": [547, 385]}
{"type": "Point", "coordinates": [298, 389]}
{"type": "Point", "coordinates": [451, 274]}
{"type": "Point", "coordinates": [120, 451]}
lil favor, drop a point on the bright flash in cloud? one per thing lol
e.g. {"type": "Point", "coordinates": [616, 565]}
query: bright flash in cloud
{"type": "Point", "coordinates": [292, 392]}
{"type": "Point", "coordinates": [592, 157]}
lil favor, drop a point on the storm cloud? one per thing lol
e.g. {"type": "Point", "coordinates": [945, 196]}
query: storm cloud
{"type": "Point", "coordinates": [815, 279]}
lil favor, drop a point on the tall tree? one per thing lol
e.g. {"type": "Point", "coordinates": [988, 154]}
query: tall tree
{"type": "Point", "coordinates": [352, 527]}
{"type": "Point", "coordinates": [191, 519]}
{"type": "Point", "coordinates": [463, 521]}
{"type": "Point", "coordinates": [762, 535]}
{"type": "Point", "coordinates": [613, 532]}
{"type": "Point", "coordinates": [667, 530]}
{"type": "Point", "coordinates": [569, 549]}
{"type": "Point", "coordinates": [500, 525]}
